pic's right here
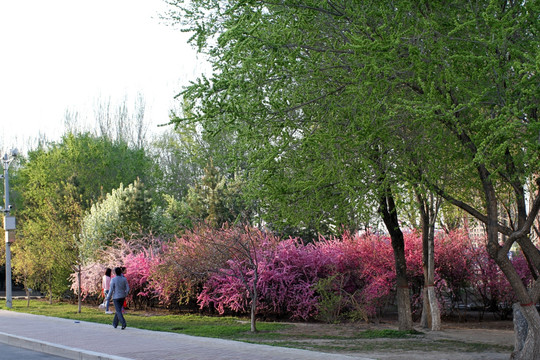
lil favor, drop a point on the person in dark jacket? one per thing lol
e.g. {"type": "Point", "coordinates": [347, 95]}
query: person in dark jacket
{"type": "Point", "coordinates": [118, 291]}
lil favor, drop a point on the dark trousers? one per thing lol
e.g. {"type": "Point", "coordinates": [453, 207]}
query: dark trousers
{"type": "Point", "coordinates": [118, 316]}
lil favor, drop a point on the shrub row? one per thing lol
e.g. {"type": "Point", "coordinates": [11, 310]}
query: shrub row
{"type": "Point", "coordinates": [349, 275]}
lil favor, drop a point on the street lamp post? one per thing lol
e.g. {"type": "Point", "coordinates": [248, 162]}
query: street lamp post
{"type": "Point", "coordinates": [9, 223]}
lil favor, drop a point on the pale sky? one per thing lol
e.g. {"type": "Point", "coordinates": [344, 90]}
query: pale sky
{"type": "Point", "coordinates": [57, 55]}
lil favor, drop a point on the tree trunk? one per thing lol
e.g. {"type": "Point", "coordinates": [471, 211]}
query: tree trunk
{"type": "Point", "coordinates": [431, 316]}
{"type": "Point", "coordinates": [79, 297]}
{"type": "Point", "coordinates": [253, 316]}
{"type": "Point", "coordinates": [434, 307]}
{"type": "Point", "coordinates": [527, 319]}
{"type": "Point", "coordinates": [404, 307]}
{"type": "Point", "coordinates": [254, 300]}
{"type": "Point", "coordinates": [27, 290]}
{"type": "Point", "coordinates": [50, 288]}
{"type": "Point", "coordinates": [425, 319]}
{"type": "Point", "coordinates": [402, 287]}
{"type": "Point", "coordinates": [431, 298]}
{"type": "Point", "coordinates": [527, 333]}
{"type": "Point", "coordinates": [388, 211]}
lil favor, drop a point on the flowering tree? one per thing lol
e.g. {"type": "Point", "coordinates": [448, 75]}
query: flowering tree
{"type": "Point", "coordinates": [242, 248]}
{"type": "Point", "coordinates": [133, 254]}
{"type": "Point", "coordinates": [200, 255]}
{"type": "Point", "coordinates": [184, 265]}
{"type": "Point", "coordinates": [286, 274]}
{"type": "Point", "coordinates": [90, 276]}
{"type": "Point", "coordinates": [489, 283]}
{"type": "Point", "coordinates": [250, 271]}
{"type": "Point", "coordinates": [367, 261]}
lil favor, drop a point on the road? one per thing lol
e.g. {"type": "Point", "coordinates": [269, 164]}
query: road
{"type": "Point", "coordinates": [14, 353]}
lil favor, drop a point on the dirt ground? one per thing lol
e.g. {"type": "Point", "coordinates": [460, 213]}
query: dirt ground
{"type": "Point", "coordinates": [471, 340]}
{"type": "Point", "coordinates": [463, 339]}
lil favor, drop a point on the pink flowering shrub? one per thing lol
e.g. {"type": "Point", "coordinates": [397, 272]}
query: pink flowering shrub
{"type": "Point", "coordinates": [286, 273]}
{"type": "Point", "coordinates": [166, 280]}
{"type": "Point", "coordinates": [235, 285]}
{"type": "Point", "coordinates": [350, 275]}
{"type": "Point", "coordinates": [453, 269]}
{"type": "Point", "coordinates": [365, 268]}
{"type": "Point", "coordinates": [465, 274]}
{"type": "Point", "coordinates": [491, 286]}
{"type": "Point", "coordinates": [91, 278]}
{"type": "Point", "coordinates": [137, 273]}
{"type": "Point", "coordinates": [290, 271]}
{"type": "Point", "coordinates": [187, 262]}
{"type": "Point", "coordinates": [287, 277]}
{"type": "Point", "coordinates": [133, 255]}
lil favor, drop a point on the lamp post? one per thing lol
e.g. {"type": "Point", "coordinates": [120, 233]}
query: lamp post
{"type": "Point", "coordinates": [9, 223]}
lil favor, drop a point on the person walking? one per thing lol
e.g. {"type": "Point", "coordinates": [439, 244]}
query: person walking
{"type": "Point", "coordinates": [119, 291]}
{"type": "Point", "coordinates": [106, 285]}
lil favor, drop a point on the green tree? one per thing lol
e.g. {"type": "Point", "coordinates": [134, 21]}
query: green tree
{"type": "Point", "coordinates": [46, 264]}
{"type": "Point", "coordinates": [359, 89]}
{"type": "Point", "coordinates": [466, 78]}
{"type": "Point", "coordinates": [292, 99]}
{"type": "Point", "coordinates": [56, 184]}
{"type": "Point", "coordinates": [180, 160]}
{"type": "Point", "coordinates": [217, 200]}
{"type": "Point", "coordinates": [124, 213]}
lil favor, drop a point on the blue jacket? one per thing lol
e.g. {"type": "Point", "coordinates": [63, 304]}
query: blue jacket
{"type": "Point", "coordinates": [119, 288]}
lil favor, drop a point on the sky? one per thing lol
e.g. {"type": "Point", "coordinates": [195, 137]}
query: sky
{"type": "Point", "coordinates": [59, 55]}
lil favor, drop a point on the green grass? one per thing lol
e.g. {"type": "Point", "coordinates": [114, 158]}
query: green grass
{"type": "Point", "coordinates": [387, 333]}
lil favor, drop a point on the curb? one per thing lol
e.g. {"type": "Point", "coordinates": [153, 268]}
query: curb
{"type": "Point", "coordinates": [55, 349]}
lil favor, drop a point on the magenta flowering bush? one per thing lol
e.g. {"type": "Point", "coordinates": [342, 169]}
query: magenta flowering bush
{"type": "Point", "coordinates": [188, 262]}
{"type": "Point", "coordinates": [466, 275]}
{"type": "Point", "coordinates": [352, 274]}
{"type": "Point", "coordinates": [138, 266]}
{"type": "Point", "coordinates": [287, 277]}
{"type": "Point", "coordinates": [491, 286]}
{"type": "Point", "coordinates": [166, 280]}
{"type": "Point", "coordinates": [366, 267]}
{"type": "Point", "coordinates": [225, 292]}
{"type": "Point", "coordinates": [453, 269]}
{"type": "Point", "coordinates": [289, 272]}
{"type": "Point", "coordinates": [91, 279]}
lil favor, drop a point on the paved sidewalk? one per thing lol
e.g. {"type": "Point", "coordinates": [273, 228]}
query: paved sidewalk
{"type": "Point", "coordinates": [90, 341]}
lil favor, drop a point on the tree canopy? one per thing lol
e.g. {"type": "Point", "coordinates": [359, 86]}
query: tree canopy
{"type": "Point", "coordinates": [57, 184]}
{"type": "Point", "coordinates": [363, 98]}
{"type": "Point", "coordinates": [123, 213]}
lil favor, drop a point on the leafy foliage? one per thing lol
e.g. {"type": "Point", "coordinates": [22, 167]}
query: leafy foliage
{"type": "Point", "coordinates": [124, 212]}
{"type": "Point", "coordinates": [57, 183]}
{"type": "Point", "coordinates": [216, 200]}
